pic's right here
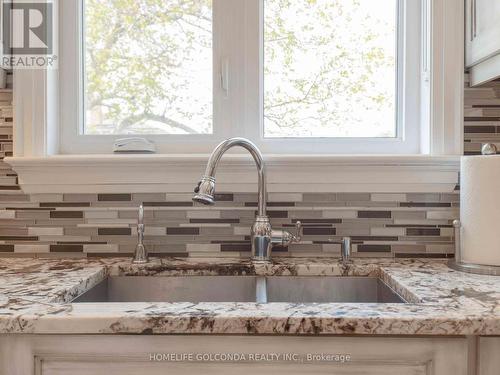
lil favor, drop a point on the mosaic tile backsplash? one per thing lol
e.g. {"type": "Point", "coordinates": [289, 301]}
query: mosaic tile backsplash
{"type": "Point", "coordinates": [381, 225]}
{"type": "Point", "coordinates": [482, 117]}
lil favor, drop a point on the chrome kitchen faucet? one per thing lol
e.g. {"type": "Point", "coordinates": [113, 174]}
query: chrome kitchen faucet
{"type": "Point", "coordinates": [263, 237]}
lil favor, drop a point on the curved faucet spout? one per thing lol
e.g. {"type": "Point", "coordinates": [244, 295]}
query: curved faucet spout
{"type": "Point", "coordinates": [206, 188]}
{"type": "Point", "coordinates": [262, 235]}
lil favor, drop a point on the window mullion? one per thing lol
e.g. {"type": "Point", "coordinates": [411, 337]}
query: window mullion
{"type": "Point", "coordinates": [253, 74]}
{"type": "Point", "coordinates": [229, 67]}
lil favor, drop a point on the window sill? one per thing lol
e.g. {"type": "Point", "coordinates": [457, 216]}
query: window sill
{"type": "Point", "coordinates": [286, 173]}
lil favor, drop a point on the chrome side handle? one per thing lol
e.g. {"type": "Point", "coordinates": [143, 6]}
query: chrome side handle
{"type": "Point", "coordinates": [285, 238]}
{"type": "Point", "coordinates": [297, 237]}
{"type": "Point", "coordinates": [141, 253]}
{"type": "Point", "coordinates": [140, 219]}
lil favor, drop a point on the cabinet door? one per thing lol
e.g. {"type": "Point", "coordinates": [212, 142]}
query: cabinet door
{"type": "Point", "coordinates": [489, 358]}
{"type": "Point", "coordinates": [131, 355]}
{"type": "Point", "coordinates": [482, 30]}
{"type": "Point", "coordinates": [134, 368]}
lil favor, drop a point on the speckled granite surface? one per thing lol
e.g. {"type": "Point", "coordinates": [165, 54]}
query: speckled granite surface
{"type": "Point", "coordinates": [35, 295]}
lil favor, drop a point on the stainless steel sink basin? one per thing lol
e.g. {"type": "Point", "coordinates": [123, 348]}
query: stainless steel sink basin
{"type": "Point", "coordinates": [306, 289]}
{"type": "Point", "coordinates": [330, 289]}
{"type": "Point", "coordinates": [172, 289]}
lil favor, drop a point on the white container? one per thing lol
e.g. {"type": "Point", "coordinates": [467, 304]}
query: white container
{"type": "Point", "coordinates": [480, 210]}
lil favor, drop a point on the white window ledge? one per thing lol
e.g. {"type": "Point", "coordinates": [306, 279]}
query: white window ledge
{"type": "Point", "coordinates": [286, 173]}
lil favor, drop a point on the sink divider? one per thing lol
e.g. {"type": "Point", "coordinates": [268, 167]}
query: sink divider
{"type": "Point", "coordinates": [261, 290]}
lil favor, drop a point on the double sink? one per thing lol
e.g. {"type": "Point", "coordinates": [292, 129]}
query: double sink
{"type": "Point", "coordinates": [261, 289]}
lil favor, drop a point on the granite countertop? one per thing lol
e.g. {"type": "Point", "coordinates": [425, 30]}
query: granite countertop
{"type": "Point", "coordinates": [35, 297]}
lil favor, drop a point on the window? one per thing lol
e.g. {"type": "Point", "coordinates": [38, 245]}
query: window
{"type": "Point", "coordinates": [315, 76]}
{"type": "Point", "coordinates": [148, 67]}
{"type": "Point", "coordinates": [330, 68]}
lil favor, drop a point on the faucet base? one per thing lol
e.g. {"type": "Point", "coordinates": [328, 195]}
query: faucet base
{"type": "Point", "coordinates": [260, 260]}
{"type": "Point", "coordinates": [261, 239]}
{"type": "Point", "coordinates": [141, 255]}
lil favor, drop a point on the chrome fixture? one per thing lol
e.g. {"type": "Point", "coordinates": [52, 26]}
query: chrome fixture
{"type": "Point", "coordinates": [284, 238]}
{"type": "Point", "coordinates": [345, 250]}
{"type": "Point", "coordinates": [459, 265]}
{"type": "Point", "coordinates": [263, 237]}
{"type": "Point", "coordinates": [141, 253]}
{"type": "Point", "coordinates": [489, 149]}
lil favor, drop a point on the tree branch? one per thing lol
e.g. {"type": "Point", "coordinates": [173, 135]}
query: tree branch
{"type": "Point", "coordinates": [132, 120]}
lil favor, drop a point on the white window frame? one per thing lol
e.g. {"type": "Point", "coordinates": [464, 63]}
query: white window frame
{"type": "Point", "coordinates": [240, 112]}
{"type": "Point", "coordinates": [439, 120]}
{"type": "Point", "coordinates": [43, 167]}
{"type": "Point", "coordinates": [72, 117]}
{"type": "Point", "coordinates": [407, 140]}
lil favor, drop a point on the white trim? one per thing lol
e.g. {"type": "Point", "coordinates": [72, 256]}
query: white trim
{"type": "Point", "coordinates": [408, 122]}
{"type": "Point", "coordinates": [446, 89]}
{"type": "Point", "coordinates": [240, 112]}
{"type": "Point", "coordinates": [36, 137]}
{"type": "Point", "coordinates": [36, 107]}
{"type": "Point", "coordinates": [35, 100]}
{"type": "Point", "coordinates": [294, 173]}
{"type": "Point", "coordinates": [35, 92]}
{"type": "Point", "coordinates": [485, 71]}
{"type": "Point", "coordinates": [70, 110]}
{"type": "Point", "coordinates": [72, 139]}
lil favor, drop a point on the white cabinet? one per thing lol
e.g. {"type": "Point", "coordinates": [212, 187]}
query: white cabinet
{"type": "Point", "coordinates": [489, 356]}
{"type": "Point", "coordinates": [482, 30]}
{"type": "Point", "coordinates": [131, 355]}
{"type": "Point", "coordinates": [482, 39]}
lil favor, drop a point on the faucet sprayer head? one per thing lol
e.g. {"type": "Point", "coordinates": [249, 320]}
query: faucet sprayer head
{"type": "Point", "coordinates": [205, 191]}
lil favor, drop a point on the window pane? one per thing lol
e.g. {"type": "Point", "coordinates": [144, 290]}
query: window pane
{"type": "Point", "coordinates": [148, 66]}
{"type": "Point", "coordinates": [330, 68]}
